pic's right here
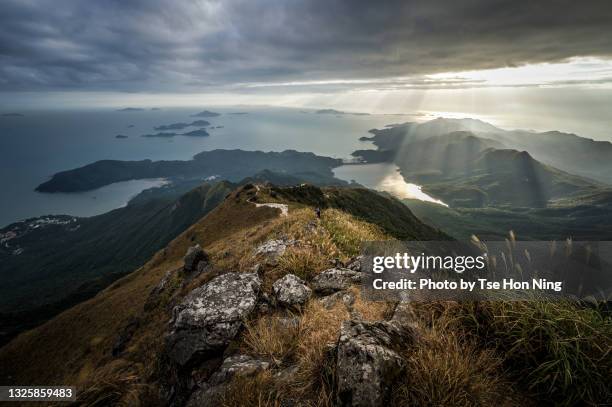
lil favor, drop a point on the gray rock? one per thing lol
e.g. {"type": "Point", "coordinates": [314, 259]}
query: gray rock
{"type": "Point", "coordinates": [236, 365]}
{"type": "Point", "coordinates": [404, 315]}
{"type": "Point", "coordinates": [155, 293]}
{"type": "Point", "coordinates": [273, 249]}
{"type": "Point", "coordinates": [367, 362]}
{"type": "Point", "coordinates": [291, 290]}
{"type": "Point", "coordinates": [335, 279]}
{"type": "Point", "coordinates": [210, 316]}
{"type": "Point", "coordinates": [355, 264]}
{"type": "Point", "coordinates": [194, 256]}
{"type": "Point", "coordinates": [347, 297]}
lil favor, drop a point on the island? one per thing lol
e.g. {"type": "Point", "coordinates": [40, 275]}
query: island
{"type": "Point", "coordinates": [121, 136]}
{"type": "Point", "coordinates": [196, 133]}
{"type": "Point", "coordinates": [339, 112]}
{"type": "Point", "coordinates": [181, 126]}
{"type": "Point", "coordinates": [232, 165]}
{"type": "Point", "coordinates": [131, 109]}
{"type": "Point", "coordinates": [162, 135]}
{"type": "Point", "coordinates": [206, 113]}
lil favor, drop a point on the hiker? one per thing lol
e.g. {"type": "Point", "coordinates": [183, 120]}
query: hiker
{"type": "Point", "coordinates": [318, 212]}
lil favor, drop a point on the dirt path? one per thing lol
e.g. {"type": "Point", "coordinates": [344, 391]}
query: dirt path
{"type": "Point", "coordinates": [284, 208]}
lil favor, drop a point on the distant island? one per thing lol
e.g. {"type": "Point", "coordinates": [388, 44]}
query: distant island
{"type": "Point", "coordinates": [194, 133]}
{"type": "Point", "coordinates": [339, 112]}
{"type": "Point", "coordinates": [162, 134]}
{"type": "Point", "coordinates": [181, 126]}
{"type": "Point", "coordinates": [232, 165]}
{"type": "Point", "coordinates": [239, 113]}
{"type": "Point", "coordinates": [121, 136]}
{"type": "Point", "coordinates": [131, 109]}
{"type": "Point", "coordinates": [206, 113]}
{"type": "Point", "coordinates": [12, 115]}
{"type": "Point", "coordinates": [129, 126]}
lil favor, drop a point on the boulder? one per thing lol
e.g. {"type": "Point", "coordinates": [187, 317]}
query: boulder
{"type": "Point", "coordinates": [347, 297]}
{"type": "Point", "coordinates": [355, 263]}
{"type": "Point", "coordinates": [335, 279]}
{"type": "Point", "coordinates": [404, 315]}
{"type": "Point", "coordinates": [237, 365]}
{"type": "Point", "coordinates": [194, 256]}
{"type": "Point", "coordinates": [291, 290]}
{"type": "Point", "coordinates": [273, 249]}
{"type": "Point", "coordinates": [125, 335]}
{"type": "Point", "coordinates": [155, 295]}
{"type": "Point", "coordinates": [368, 363]}
{"type": "Point", "coordinates": [210, 316]}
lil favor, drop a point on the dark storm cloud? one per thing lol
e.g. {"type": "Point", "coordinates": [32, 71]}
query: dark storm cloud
{"type": "Point", "coordinates": [182, 46]}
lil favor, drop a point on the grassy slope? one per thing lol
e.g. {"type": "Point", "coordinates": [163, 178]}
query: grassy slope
{"type": "Point", "coordinates": [62, 268]}
{"type": "Point", "coordinates": [78, 340]}
{"type": "Point", "coordinates": [458, 363]}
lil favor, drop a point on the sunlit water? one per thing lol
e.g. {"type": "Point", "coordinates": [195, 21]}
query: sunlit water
{"type": "Point", "coordinates": [383, 177]}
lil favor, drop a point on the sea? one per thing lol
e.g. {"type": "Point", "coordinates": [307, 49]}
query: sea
{"type": "Point", "coordinates": [38, 144]}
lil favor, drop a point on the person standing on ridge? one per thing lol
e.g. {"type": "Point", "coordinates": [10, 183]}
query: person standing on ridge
{"type": "Point", "coordinates": [318, 212]}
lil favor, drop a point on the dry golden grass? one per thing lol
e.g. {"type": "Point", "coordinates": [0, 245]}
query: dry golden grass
{"type": "Point", "coordinates": [371, 310]}
{"type": "Point", "coordinates": [272, 337]}
{"type": "Point", "coordinates": [320, 328]}
{"type": "Point", "coordinates": [348, 232]}
{"type": "Point", "coordinates": [303, 262]}
{"type": "Point", "coordinates": [75, 346]}
{"type": "Point", "coordinates": [259, 390]}
{"type": "Point", "coordinates": [444, 369]}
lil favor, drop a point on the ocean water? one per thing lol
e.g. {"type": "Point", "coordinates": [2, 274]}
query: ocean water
{"type": "Point", "coordinates": [41, 143]}
{"type": "Point", "coordinates": [383, 177]}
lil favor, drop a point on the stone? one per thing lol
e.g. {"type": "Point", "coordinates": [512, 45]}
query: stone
{"type": "Point", "coordinates": [335, 279]}
{"type": "Point", "coordinates": [368, 363]}
{"type": "Point", "coordinates": [237, 365]}
{"type": "Point", "coordinates": [210, 316]}
{"type": "Point", "coordinates": [291, 290]}
{"type": "Point", "coordinates": [194, 256]}
{"type": "Point", "coordinates": [404, 315]}
{"type": "Point", "coordinates": [347, 297]}
{"type": "Point", "coordinates": [154, 296]}
{"type": "Point", "coordinates": [125, 335]}
{"type": "Point", "coordinates": [355, 263]}
{"type": "Point", "coordinates": [273, 249]}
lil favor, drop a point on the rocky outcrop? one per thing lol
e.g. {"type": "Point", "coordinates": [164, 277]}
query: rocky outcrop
{"type": "Point", "coordinates": [291, 290]}
{"type": "Point", "coordinates": [237, 365]}
{"type": "Point", "coordinates": [196, 260]}
{"type": "Point", "coordinates": [404, 315]}
{"type": "Point", "coordinates": [368, 362]}
{"type": "Point", "coordinates": [273, 249]}
{"type": "Point", "coordinates": [210, 316]}
{"type": "Point", "coordinates": [355, 263]}
{"type": "Point", "coordinates": [125, 335]}
{"type": "Point", "coordinates": [347, 298]}
{"type": "Point", "coordinates": [335, 279]}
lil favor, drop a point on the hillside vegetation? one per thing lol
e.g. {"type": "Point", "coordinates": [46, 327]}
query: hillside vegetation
{"type": "Point", "coordinates": [117, 347]}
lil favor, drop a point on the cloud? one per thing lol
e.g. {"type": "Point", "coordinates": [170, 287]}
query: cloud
{"type": "Point", "coordinates": [159, 46]}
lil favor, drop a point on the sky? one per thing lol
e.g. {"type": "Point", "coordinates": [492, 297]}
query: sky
{"type": "Point", "coordinates": [376, 56]}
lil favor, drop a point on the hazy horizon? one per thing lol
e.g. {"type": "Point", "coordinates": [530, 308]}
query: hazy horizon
{"type": "Point", "coordinates": [515, 64]}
